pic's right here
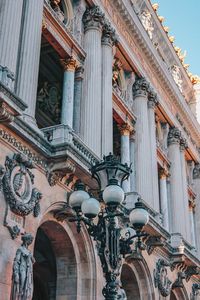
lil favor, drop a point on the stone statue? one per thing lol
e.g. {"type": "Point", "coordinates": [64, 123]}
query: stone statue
{"type": "Point", "coordinates": [22, 277]}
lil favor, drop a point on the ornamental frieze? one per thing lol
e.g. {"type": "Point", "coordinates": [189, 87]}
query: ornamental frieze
{"type": "Point", "coordinates": [161, 279]}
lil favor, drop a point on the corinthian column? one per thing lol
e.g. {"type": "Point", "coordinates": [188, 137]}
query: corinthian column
{"type": "Point", "coordinates": [108, 39]}
{"type": "Point", "coordinates": [91, 110]}
{"type": "Point", "coordinates": [27, 77]}
{"type": "Point", "coordinates": [77, 98]}
{"type": "Point", "coordinates": [185, 200]}
{"type": "Point", "coordinates": [177, 207]}
{"type": "Point", "coordinates": [196, 178]}
{"type": "Point", "coordinates": [163, 198]}
{"type": "Point", "coordinates": [69, 66]}
{"type": "Point", "coordinates": [142, 141]}
{"type": "Point", "coordinates": [125, 151]}
{"type": "Point", "coordinates": [10, 24]}
{"type": "Point", "coordinates": [153, 101]}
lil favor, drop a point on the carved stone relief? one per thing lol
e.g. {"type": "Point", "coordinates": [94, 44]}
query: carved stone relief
{"type": "Point", "coordinates": [195, 291]}
{"type": "Point", "coordinates": [147, 22]}
{"type": "Point", "coordinates": [161, 279]}
{"type": "Point", "coordinates": [16, 182]}
{"type": "Point", "coordinates": [49, 100]}
{"type": "Point", "coordinates": [176, 74]}
{"type": "Point", "coordinates": [22, 276]}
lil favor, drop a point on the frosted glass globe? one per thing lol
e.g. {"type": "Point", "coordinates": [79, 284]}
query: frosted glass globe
{"type": "Point", "coordinates": [113, 194]}
{"type": "Point", "coordinates": [77, 198]}
{"type": "Point", "coordinates": [90, 208]}
{"type": "Point", "coordinates": [139, 217]}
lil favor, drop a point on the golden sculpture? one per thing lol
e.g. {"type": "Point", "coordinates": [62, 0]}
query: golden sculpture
{"type": "Point", "coordinates": [155, 6]}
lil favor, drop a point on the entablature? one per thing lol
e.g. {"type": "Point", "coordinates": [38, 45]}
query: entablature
{"type": "Point", "coordinates": [59, 37]}
{"type": "Point", "coordinates": [146, 61]}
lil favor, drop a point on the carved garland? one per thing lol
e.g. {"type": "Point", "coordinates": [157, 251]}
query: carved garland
{"type": "Point", "coordinates": [16, 182]}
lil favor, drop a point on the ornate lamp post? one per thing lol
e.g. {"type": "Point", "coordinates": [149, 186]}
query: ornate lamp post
{"type": "Point", "coordinates": [113, 241]}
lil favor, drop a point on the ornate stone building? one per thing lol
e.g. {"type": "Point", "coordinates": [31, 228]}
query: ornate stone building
{"type": "Point", "coordinates": [80, 79]}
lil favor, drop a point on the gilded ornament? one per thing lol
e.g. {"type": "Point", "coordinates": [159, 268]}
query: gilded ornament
{"type": "Point", "coordinates": [155, 6]}
{"type": "Point", "coordinates": [161, 19]}
{"type": "Point", "coordinates": [171, 39]}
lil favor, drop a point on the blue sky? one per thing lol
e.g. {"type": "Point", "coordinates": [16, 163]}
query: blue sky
{"type": "Point", "coordinates": [183, 19]}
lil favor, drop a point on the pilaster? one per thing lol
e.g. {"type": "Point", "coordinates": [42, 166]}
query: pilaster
{"type": "Point", "coordinates": [152, 103]}
{"type": "Point", "coordinates": [29, 55]}
{"type": "Point", "coordinates": [185, 201]}
{"type": "Point", "coordinates": [10, 24]}
{"type": "Point", "coordinates": [196, 178]}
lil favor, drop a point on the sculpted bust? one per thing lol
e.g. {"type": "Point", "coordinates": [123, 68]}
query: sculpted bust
{"type": "Point", "coordinates": [22, 277]}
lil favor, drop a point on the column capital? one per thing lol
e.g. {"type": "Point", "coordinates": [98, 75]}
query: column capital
{"type": "Point", "coordinates": [196, 171]}
{"type": "Point", "coordinates": [141, 88]}
{"type": "Point", "coordinates": [153, 99]}
{"type": "Point", "coordinates": [108, 34]}
{"type": "Point", "coordinates": [163, 173]}
{"type": "Point", "coordinates": [93, 17]}
{"type": "Point", "coordinates": [183, 144]}
{"type": "Point", "coordinates": [69, 64]}
{"type": "Point", "coordinates": [79, 73]}
{"type": "Point", "coordinates": [174, 136]}
{"type": "Point", "coordinates": [125, 129]}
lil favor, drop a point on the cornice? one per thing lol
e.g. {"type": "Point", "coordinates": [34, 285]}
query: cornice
{"type": "Point", "coordinates": [164, 83]}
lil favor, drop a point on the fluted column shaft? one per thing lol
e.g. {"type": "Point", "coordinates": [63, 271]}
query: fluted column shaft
{"type": "Point", "coordinates": [185, 202]}
{"type": "Point", "coordinates": [27, 77]}
{"type": "Point", "coordinates": [177, 208]}
{"type": "Point", "coordinates": [10, 24]}
{"type": "Point", "coordinates": [77, 98]}
{"type": "Point", "coordinates": [91, 111]}
{"type": "Point", "coordinates": [132, 161]}
{"type": "Point", "coordinates": [153, 101]}
{"type": "Point", "coordinates": [69, 66]}
{"type": "Point", "coordinates": [125, 151]}
{"type": "Point", "coordinates": [196, 178]}
{"type": "Point", "coordinates": [108, 38]}
{"type": "Point", "coordinates": [192, 226]}
{"type": "Point", "coordinates": [164, 199]}
{"type": "Point", "coordinates": [142, 142]}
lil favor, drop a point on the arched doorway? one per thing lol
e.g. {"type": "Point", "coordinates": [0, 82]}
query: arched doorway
{"type": "Point", "coordinates": [55, 269]}
{"type": "Point", "coordinates": [129, 283]}
{"type": "Point", "coordinates": [44, 269]}
{"type": "Point", "coordinates": [136, 280]}
{"type": "Point", "coordinates": [172, 296]}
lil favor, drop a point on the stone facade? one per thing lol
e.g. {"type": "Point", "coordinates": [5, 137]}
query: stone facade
{"type": "Point", "coordinates": [80, 79]}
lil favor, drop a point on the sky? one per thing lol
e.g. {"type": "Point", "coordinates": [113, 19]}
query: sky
{"type": "Point", "coordinates": [183, 19]}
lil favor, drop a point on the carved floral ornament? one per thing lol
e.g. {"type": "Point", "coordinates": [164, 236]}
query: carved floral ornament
{"type": "Point", "coordinates": [16, 181]}
{"type": "Point", "coordinates": [161, 279]}
{"type": "Point", "coordinates": [93, 18]}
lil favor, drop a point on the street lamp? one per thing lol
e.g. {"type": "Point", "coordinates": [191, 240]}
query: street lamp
{"type": "Point", "coordinates": [113, 240]}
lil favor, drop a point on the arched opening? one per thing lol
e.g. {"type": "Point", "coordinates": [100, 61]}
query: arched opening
{"type": "Point", "coordinates": [179, 293]}
{"type": "Point", "coordinates": [129, 283]}
{"type": "Point", "coordinates": [55, 270]}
